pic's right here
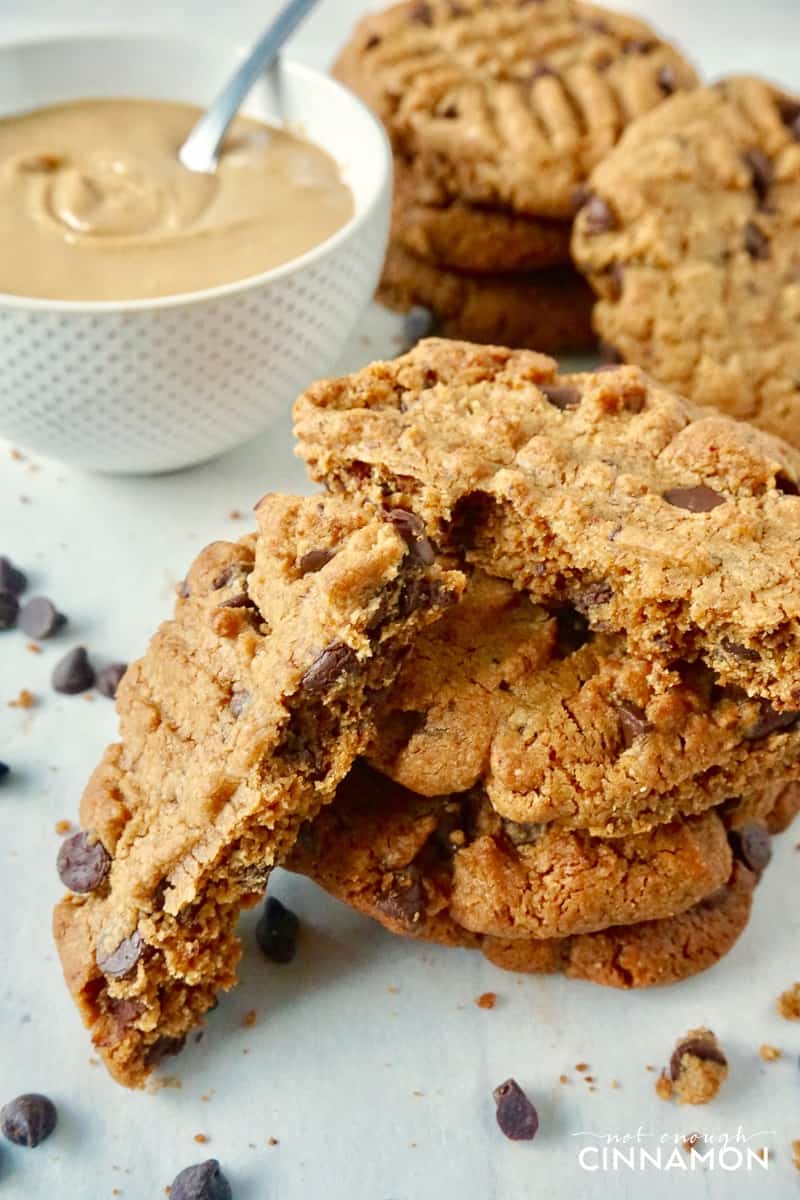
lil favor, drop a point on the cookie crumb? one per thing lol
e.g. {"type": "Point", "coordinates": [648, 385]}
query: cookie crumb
{"type": "Point", "coordinates": [788, 1003]}
{"type": "Point", "coordinates": [691, 1140]}
{"type": "Point", "coordinates": [272, 1141]}
{"type": "Point", "coordinates": [62, 827]}
{"type": "Point", "coordinates": [697, 1069]}
{"type": "Point", "coordinates": [769, 1053]}
{"type": "Point", "coordinates": [582, 1067]}
{"type": "Point", "coordinates": [615, 1084]}
{"type": "Point", "coordinates": [25, 699]}
{"type": "Point", "coordinates": [796, 1153]}
{"type": "Point", "coordinates": [201, 1138]}
{"type": "Point", "coordinates": [563, 1079]}
{"type": "Point", "coordinates": [249, 1019]}
{"type": "Point", "coordinates": [34, 648]}
{"type": "Point", "coordinates": [487, 1000]}
{"type": "Point", "coordinates": [234, 515]}
{"type": "Point", "coordinates": [664, 1086]}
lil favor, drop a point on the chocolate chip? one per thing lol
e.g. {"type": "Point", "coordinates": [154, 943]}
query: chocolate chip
{"type": "Point", "coordinates": [126, 1012]}
{"type": "Point", "coordinates": [239, 702]}
{"type": "Point", "coordinates": [790, 115]}
{"type": "Point", "coordinates": [639, 46]}
{"type": "Point", "coordinates": [420, 322]}
{"type": "Point", "coordinates": [314, 560]}
{"type": "Point", "coordinates": [770, 721]}
{"type": "Point", "coordinates": [760, 171]}
{"type": "Point", "coordinates": [633, 722]}
{"type": "Point", "coordinates": [276, 931]}
{"type": "Point", "coordinates": [335, 660]}
{"type": "Point", "coordinates": [580, 195]}
{"type": "Point", "coordinates": [422, 13]}
{"type": "Point", "coordinates": [184, 591]}
{"type": "Point", "coordinates": [233, 571]}
{"type": "Point", "coordinates": [665, 78]}
{"type": "Point", "coordinates": [405, 899]}
{"type": "Point", "coordinates": [5, 770]}
{"type": "Point", "coordinates": [108, 679]}
{"type": "Point", "coordinates": [615, 281]}
{"type": "Point", "coordinates": [516, 1116]}
{"type": "Point", "coordinates": [203, 1181]}
{"type": "Point", "coordinates": [73, 673]}
{"type": "Point", "coordinates": [598, 216]}
{"type": "Point", "coordinates": [412, 530]}
{"type": "Point", "coordinates": [786, 485]}
{"type": "Point", "coordinates": [40, 618]}
{"type": "Point", "coordinates": [11, 578]}
{"type": "Point", "coordinates": [29, 1119]}
{"type": "Point", "coordinates": [592, 595]}
{"type": "Point", "coordinates": [560, 397]}
{"type": "Point", "coordinates": [82, 864]}
{"type": "Point", "coordinates": [751, 845]}
{"type": "Point", "coordinates": [697, 499]}
{"type": "Point", "coordinates": [737, 650]}
{"type": "Point", "coordinates": [703, 1048]}
{"type": "Point", "coordinates": [9, 610]}
{"type": "Point", "coordinates": [124, 958]}
{"type": "Point", "coordinates": [163, 1047]}
{"type": "Point", "coordinates": [372, 41]}
{"type": "Point", "coordinates": [756, 242]}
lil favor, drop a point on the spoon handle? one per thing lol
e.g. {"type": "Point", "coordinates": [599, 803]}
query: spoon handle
{"type": "Point", "coordinates": [200, 151]}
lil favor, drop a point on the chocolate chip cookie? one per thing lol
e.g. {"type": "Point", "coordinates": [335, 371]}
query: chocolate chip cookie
{"type": "Point", "coordinates": [689, 235]}
{"type": "Point", "coordinates": [550, 310]}
{"type": "Point", "coordinates": [509, 103]}
{"type": "Point", "coordinates": [652, 517]}
{"type": "Point", "coordinates": [237, 725]}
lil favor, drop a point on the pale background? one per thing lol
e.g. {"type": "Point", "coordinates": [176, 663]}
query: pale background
{"type": "Point", "coordinates": [369, 1060]}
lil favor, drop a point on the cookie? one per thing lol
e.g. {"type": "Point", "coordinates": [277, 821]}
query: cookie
{"type": "Point", "coordinates": [547, 309]}
{"type": "Point", "coordinates": [502, 693]}
{"type": "Point", "coordinates": [690, 238]}
{"type": "Point", "coordinates": [449, 233]}
{"type": "Point", "coordinates": [422, 866]}
{"type": "Point", "coordinates": [238, 724]}
{"type": "Point", "coordinates": [506, 103]}
{"type": "Point", "coordinates": [655, 518]}
{"type": "Point", "coordinates": [415, 858]}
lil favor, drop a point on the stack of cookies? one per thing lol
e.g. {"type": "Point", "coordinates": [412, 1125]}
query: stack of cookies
{"type": "Point", "coordinates": [497, 111]}
{"type": "Point", "coordinates": [525, 678]}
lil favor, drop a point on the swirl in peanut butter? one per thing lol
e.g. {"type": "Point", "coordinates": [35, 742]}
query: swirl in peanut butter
{"type": "Point", "coordinates": [94, 204]}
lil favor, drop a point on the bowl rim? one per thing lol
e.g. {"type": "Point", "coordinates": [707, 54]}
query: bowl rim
{"type": "Point", "coordinates": [381, 183]}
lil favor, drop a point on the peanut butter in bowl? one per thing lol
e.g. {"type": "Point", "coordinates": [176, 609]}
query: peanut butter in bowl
{"type": "Point", "coordinates": [95, 205]}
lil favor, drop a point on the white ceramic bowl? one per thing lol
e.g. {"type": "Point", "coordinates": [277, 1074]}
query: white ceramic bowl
{"type": "Point", "coordinates": [152, 385]}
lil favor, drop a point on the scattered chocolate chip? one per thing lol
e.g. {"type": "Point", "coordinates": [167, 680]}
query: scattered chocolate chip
{"type": "Point", "coordinates": [756, 242]}
{"type": "Point", "coordinates": [108, 679]}
{"type": "Point", "coordinates": [751, 845]}
{"type": "Point", "coordinates": [760, 171]}
{"type": "Point", "coordinates": [314, 560]}
{"type": "Point", "coordinates": [239, 702]}
{"type": "Point", "coordinates": [82, 864]}
{"type": "Point", "coordinates": [697, 499]}
{"type": "Point", "coordinates": [592, 595]}
{"type": "Point", "coordinates": [232, 571]}
{"type": "Point", "coordinates": [73, 673]}
{"type": "Point", "coordinates": [9, 610]}
{"type": "Point", "coordinates": [372, 41]}
{"type": "Point", "coordinates": [40, 618]}
{"type": "Point", "coordinates": [29, 1119]}
{"type": "Point", "coordinates": [703, 1048]}
{"type": "Point", "coordinates": [276, 931]}
{"type": "Point", "coordinates": [786, 485]}
{"type": "Point", "coordinates": [125, 1012]}
{"type": "Point", "coordinates": [633, 722]}
{"type": "Point", "coordinates": [412, 530]}
{"type": "Point", "coordinates": [240, 601]}
{"type": "Point", "coordinates": [163, 1047]}
{"type": "Point", "coordinates": [11, 578]}
{"type": "Point", "coordinates": [560, 397]}
{"type": "Point", "coordinates": [737, 650]}
{"type": "Point", "coordinates": [5, 770]}
{"type": "Point", "coordinates": [598, 216]}
{"type": "Point", "coordinates": [335, 660]}
{"type": "Point", "coordinates": [516, 1116]}
{"type": "Point", "coordinates": [405, 900]}
{"type": "Point", "coordinates": [124, 958]}
{"type": "Point", "coordinates": [790, 115]}
{"type": "Point", "coordinates": [420, 322]}
{"type": "Point", "coordinates": [203, 1181]}
{"type": "Point", "coordinates": [422, 13]}
{"type": "Point", "coordinates": [639, 46]}
{"type": "Point", "coordinates": [770, 721]}
{"type": "Point", "coordinates": [665, 78]}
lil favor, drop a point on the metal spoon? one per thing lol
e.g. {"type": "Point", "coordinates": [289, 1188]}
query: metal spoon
{"type": "Point", "coordinates": [200, 151]}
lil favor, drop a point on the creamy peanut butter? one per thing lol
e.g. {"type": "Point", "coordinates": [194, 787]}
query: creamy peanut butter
{"type": "Point", "coordinates": [94, 204]}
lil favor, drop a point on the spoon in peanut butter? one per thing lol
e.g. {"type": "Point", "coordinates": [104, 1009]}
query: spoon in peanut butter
{"type": "Point", "coordinates": [200, 151]}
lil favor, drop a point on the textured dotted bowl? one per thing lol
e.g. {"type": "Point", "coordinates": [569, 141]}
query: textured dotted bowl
{"type": "Point", "coordinates": [153, 385]}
